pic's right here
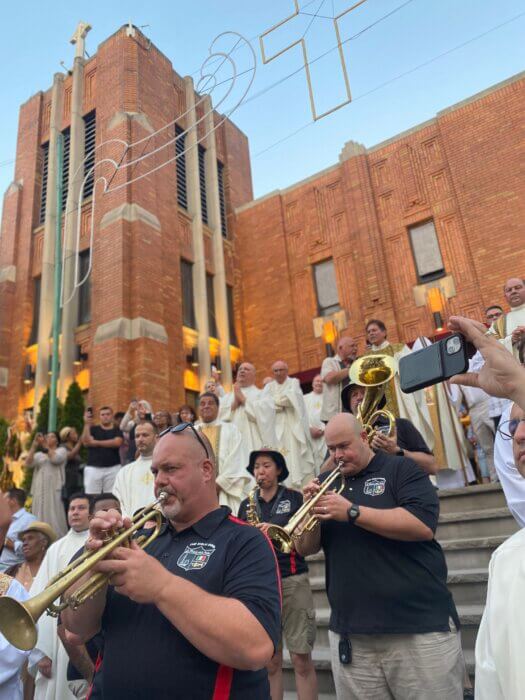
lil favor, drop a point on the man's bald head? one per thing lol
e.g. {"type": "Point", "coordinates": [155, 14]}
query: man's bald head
{"type": "Point", "coordinates": [514, 290]}
{"type": "Point", "coordinates": [348, 443]}
{"type": "Point", "coordinates": [280, 371]}
{"type": "Point", "coordinates": [246, 374]}
{"type": "Point", "coordinates": [347, 348]}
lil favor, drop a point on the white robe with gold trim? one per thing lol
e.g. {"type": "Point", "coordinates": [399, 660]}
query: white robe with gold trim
{"type": "Point", "coordinates": [255, 419]}
{"type": "Point", "coordinates": [134, 485]}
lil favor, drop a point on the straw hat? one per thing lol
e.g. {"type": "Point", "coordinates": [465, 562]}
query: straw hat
{"type": "Point", "coordinates": [43, 528]}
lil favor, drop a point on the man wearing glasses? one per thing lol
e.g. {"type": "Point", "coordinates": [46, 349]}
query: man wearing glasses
{"type": "Point", "coordinates": [197, 614]}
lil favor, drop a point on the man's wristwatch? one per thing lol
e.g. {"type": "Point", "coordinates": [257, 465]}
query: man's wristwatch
{"type": "Point", "coordinates": [400, 453]}
{"type": "Point", "coordinates": [353, 512]}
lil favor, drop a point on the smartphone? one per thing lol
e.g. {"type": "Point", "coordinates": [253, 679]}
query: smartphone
{"type": "Point", "coordinates": [433, 364]}
{"type": "Point", "coordinates": [148, 416]}
{"type": "Point", "coordinates": [89, 410]}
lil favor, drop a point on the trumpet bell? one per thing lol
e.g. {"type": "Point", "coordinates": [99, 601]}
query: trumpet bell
{"type": "Point", "coordinates": [281, 539]}
{"type": "Point", "coordinates": [17, 624]}
{"type": "Point", "coordinates": [372, 370]}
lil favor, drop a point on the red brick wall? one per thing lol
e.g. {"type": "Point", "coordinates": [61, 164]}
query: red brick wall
{"type": "Point", "coordinates": [463, 169]}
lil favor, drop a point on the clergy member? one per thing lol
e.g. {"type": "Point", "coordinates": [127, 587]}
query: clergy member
{"type": "Point", "coordinates": [249, 410]}
{"type": "Point", "coordinates": [134, 483]}
{"type": "Point", "coordinates": [49, 659]}
{"type": "Point", "coordinates": [231, 457]}
{"type": "Point", "coordinates": [334, 373]}
{"type": "Point", "coordinates": [314, 406]}
{"type": "Point", "coordinates": [510, 327]}
{"type": "Point", "coordinates": [291, 425]}
{"type": "Point", "coordinates": [410, 406]}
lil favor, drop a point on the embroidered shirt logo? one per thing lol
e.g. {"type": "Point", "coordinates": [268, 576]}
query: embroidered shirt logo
{"type": "Point", "coordinates": [195, 556]}
{"type": "Point", "coordinates": [283, 507]}
{"type": "Point", "coordinates": [374, 487]}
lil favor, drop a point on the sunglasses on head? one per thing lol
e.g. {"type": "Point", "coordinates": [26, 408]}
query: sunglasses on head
{"type": "Point", "coordinates": [180, 428]}
{"type": "Point", "coordinates": [507, 430]}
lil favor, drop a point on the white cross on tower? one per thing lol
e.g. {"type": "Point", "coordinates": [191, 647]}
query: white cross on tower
{"type": "Point", "coordinates": [79, 38]}
{"type": "Point", "coordinates": [301, 41]}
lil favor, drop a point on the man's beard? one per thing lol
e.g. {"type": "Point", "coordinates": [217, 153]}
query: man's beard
{"type": "Point", "coordinates": [172, 510]}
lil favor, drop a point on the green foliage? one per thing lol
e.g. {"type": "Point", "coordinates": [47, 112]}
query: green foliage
{"type": "Point", "coordinates": [4, 425]}
{"type": "Point", "coordinates": [73, 412]}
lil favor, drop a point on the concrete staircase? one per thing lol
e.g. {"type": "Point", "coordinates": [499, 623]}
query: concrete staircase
{"type": "Point", "coordinates": [473, 522]}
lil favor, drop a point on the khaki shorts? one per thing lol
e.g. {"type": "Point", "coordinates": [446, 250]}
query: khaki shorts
{"type": "Point", "coordinates": [298, 619]}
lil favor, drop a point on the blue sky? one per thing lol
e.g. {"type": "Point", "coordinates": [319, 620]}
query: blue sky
{"type": "Point", "coordinates": [36, 38]}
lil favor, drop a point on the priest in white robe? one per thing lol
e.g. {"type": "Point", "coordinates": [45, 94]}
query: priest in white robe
{"type": "Point", "coordinates": [509, 328]}
{"type": "Point", "coordinates": [314, 407]}
{"type": "Point", "coordinates": [249, 410]}
{"type": "Point", "coordinates": [291, 425]}
{"type": "Point", "coordinates": [134, 483]}
{"type": "Point", "coordinates": [500, 673]}
{"type": "Point", "coordinates": [231, 456]}
{"type": "Point", "coordinates": [48, 646]}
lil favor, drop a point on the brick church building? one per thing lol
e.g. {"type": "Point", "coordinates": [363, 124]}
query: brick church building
{"type": "Point", "coordinates": [187, 270]}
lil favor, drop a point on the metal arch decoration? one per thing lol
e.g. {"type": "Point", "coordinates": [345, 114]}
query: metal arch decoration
{"type": "Point", "coordinates": [302, 43]}
{"type": "Point", "coordinates": [121, 165]}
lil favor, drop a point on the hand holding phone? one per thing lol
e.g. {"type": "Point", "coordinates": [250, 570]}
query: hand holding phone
{"type": "Point", "coordinates": [433, 364]}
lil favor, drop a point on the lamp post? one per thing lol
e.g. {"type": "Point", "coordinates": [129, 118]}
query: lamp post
{"type": "Point", "coordinates": [435, 303]}
{"type": "Point", "coordinates": [329, 336]}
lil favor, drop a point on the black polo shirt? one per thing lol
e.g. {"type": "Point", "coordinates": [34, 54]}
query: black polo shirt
{"type": "Point", "coordinates": [279, 510]}
{"type": "Point", "coordinates": [378, 585]}
{"type": "Point", "coordinates": [146, 657]}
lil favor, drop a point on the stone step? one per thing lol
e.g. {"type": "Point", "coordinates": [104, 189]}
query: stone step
{"type": "Point", "coordinates": [487, 522]}
{"type": "Point", "coordinates": [471, 498]}
{"type": "Point", "coordinates": [470, 552]}
{"type": "Point", "coordinates": [468, 586]}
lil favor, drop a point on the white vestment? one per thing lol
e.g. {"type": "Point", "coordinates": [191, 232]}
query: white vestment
{"type": "Point", "coordinates": [512, 483]}
{"type": "Point", "coordinates": [514, 318]}
{"type": "Point", "coordinates": [255, 419]}
{"type": "Point", "coordinates": [231, 457]}
{"type": "Point", "coordinates": [314, 406]}
{"type": "Point", "coordinates": [134, 485]}
{"type": "Point", "coordinates": [11, 658]}
{"type": "Point", "coordinates": [48, 644]}
{"type": "Point", "coordinates": [500, 673]}
{"type": "Point", "coordinates": [293, 430]}
{"type": "Point", "coordinates": [451, 434]}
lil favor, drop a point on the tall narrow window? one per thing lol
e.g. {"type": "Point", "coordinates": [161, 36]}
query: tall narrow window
{"type": "Point", "coordinates": [44, 153]}
{"type": "Point", "coordinates": [188, 306]}
{"type": "Point", "coordinates": [212, 321]}
{"type": "Point", "coordinates": [427, 255]}
{"type": "Point", "coordinates": [90, 128]}
{"type": "Point", "coordinates": [202, 184]}
{"type": "Point", "coordinates": [36, 311]}
{"type": "Point", "coordinates": [180, 145]}
{"type": "Point", "coordinates": [65, 165]}
{"type": "Point", "coordinates": [326, 288]}
{"type": "Point", "coordinates": [222, 199]}
{"type": "Point", "coordinates": [231, 318]}
{"type": "Point", "coordinates": [84, 292]}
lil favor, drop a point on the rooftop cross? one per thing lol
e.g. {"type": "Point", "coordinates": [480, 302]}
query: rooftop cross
{"type": "Point", "coordinates": [79, 38]}
{"type": "Point", "coordinates": [335, 19]}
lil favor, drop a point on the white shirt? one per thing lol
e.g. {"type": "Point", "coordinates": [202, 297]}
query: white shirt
{"type": "Point", "coordinates": [331, 392]}
{"type": "Point", "coordinates": [134, 485]}
{"type": "Point", "coordinates": [21, 519]}
{"type": "Point", "coordinates": [500, 672]}
{"type": "Point", "coordinates": [512, 482]}
{"type": "Point", "coordinates": [11, 658]}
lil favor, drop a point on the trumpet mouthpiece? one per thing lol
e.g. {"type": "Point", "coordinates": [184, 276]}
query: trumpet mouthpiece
{"type": "Point", "coordinates": [163, 495]}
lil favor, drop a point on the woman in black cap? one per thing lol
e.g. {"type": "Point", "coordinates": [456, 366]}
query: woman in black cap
{"type": "Point", "coordinates": [274, 503]}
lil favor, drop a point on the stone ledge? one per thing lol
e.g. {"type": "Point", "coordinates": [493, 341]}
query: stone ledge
{"type": "Point", "coordinates": [4, 376]}
{"type": "Point", "coordinates": [8, 273]}
{"type": "Point", "coordinates": [131, 329]}
{"type": "Point", "coordinates": [130, 212]}
{"type": "Point", "coordinates": [138, 117]}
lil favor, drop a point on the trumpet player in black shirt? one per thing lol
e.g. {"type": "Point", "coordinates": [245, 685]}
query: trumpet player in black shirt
{"type": "Point", "coordinates": [272, 502]}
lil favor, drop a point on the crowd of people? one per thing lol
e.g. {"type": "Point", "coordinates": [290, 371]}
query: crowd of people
{"type": "Point", "coordinates": [206, 608]}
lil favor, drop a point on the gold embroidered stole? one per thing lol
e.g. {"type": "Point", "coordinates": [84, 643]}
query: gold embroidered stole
{"type": "Point", "coordinates": [213, 433]}
{"type": "Point", "coordinates": [500, 326]}
{"type": "Point", "coordinates": [5, 582]}
{"type": "Point", "coordinates": [390, 390]}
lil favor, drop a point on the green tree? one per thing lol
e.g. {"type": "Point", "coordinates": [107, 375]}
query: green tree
{"type": "Point", "coordinates": [73, 412]}
{"type": "Point", "coordinates": [4, 426]}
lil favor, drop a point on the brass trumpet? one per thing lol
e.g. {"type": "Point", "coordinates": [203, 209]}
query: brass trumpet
{"type": "Point", "coordinates": [373, 372]}
{"type": "Point", "coordinates": [284, 537]}
{"type": "Point", "coordinates": [18, 620]}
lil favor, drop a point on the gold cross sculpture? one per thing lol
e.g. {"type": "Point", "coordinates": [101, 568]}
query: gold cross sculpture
{"type": "Point", "coordinates": [302, 43]}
